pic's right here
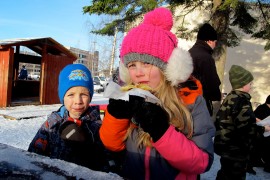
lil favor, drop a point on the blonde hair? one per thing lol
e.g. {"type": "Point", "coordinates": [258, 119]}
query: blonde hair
{"type": "Point", "coordinates": [179, 115]}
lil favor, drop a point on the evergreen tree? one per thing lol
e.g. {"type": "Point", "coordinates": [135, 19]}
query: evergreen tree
{"type": "Point", "coordinates": [224, 14]}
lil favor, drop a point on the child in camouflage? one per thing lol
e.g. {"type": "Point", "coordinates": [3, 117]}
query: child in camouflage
{"type": "Point", "coordinates": [235, 126]}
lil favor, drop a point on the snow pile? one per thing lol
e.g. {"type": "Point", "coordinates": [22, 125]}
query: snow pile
{"type": "Point", "coordinates": [17, 163]}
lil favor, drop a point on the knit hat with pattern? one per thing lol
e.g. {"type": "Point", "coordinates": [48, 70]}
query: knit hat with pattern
{"type": "Point", "coordinates": [152, 42]}
{"type": "Point", "coordinates": [74, 75]}
{"type": "Point", "coordinates": [239, 77]}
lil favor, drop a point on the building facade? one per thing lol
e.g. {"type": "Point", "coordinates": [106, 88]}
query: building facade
{"type": "Point", "coordinates": [90, 60]}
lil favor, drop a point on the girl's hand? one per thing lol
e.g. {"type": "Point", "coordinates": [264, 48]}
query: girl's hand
{"type": "Point", "coordinates": [152, 119]}
{"type": "Point", "coordinates": [121, 109]}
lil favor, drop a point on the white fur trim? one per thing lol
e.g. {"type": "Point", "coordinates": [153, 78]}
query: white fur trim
{"type": "Point", "coordinates": [179, 67]}
{"type": "Point", "coordinates": [123, 73]}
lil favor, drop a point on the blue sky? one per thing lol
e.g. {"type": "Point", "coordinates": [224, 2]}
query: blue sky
{"type": "Point", "coordinates": [63, 20]}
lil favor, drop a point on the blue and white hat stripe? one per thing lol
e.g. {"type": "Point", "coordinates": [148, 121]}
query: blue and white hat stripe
{"type": "Point", "coordinates": [78, 75]}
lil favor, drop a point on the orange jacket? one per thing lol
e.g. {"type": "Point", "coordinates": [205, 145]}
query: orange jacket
{"type": "Point", "coordinates": [188, 94]}
{"type": "Point", "coordinates": [113, 131]}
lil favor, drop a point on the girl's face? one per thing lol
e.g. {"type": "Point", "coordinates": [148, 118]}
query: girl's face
{"type": "Point", "coordinates": [144, 73]}
{"type": "Point", "coordinates": [76, 101]}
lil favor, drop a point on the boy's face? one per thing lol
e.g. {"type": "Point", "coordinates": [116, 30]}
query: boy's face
{"type": "Point", "coordinates": [76, 101]}
{"type": "Point", "coordinates": [247, 87]}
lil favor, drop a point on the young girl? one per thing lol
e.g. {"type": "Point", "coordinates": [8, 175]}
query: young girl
{"type": "Point", "coordinates": [155, 137]}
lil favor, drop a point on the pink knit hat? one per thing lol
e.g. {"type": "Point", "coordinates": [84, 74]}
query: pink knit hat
{"type": "Point", "coordinates": [152, 42]}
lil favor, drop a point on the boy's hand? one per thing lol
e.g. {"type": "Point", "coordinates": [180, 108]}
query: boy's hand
{"type": "Point", "coordinates": [152, 119]}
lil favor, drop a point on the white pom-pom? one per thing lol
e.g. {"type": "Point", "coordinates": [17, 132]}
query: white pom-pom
{"type": "Point", "coordinates": [179, 67]}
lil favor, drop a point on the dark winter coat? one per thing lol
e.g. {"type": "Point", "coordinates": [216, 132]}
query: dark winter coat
{"type": "Point", "coordinates": [262, 111]}
{"type": "Point", "coordinates": [86, 150]}
{"type": "Point", "coordinates": [262, 143]}
{"type": "Point", "coordinates": [235, 127]}
{"type": "Point", "coordinates": [173, 156]}
{"type": "Point", "coordinates": [205, 70]}
{"type": "Point", "coordinates": [23, 74]}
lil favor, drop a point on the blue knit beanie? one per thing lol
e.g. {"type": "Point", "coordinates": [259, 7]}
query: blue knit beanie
{"type": "Point", "coordinates": [74, 75]}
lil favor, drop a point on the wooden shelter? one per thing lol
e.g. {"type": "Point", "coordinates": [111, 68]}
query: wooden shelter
{"type": "Point", "coordinates": [51, 56]}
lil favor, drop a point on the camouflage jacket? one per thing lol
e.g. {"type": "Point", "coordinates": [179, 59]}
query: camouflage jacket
{"type": "Point", "coordinates": [235, 126]}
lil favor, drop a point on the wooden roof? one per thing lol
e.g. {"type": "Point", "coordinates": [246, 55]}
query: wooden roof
{"type": "Point", "coordinates": [37, 44]}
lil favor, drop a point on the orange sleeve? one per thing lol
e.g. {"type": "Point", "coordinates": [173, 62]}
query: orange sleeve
{"type": "Point", "coordinates": [113, 131]}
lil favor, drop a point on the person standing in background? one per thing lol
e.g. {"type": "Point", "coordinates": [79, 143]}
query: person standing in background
{"type": "Point", "coordinates": [263, 110]}
{"type": "Point", "coordinates": [204, 64]}
{"type": "Point", "coordinates": [260, 155]}
{"type": "Point", "coordinates": [23, 73]}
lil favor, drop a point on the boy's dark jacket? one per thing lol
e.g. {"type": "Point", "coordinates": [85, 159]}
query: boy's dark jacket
{"type": "Point", "coordinates": [87, 151]}
{"type": "Point", "coordinates": [235, 126]}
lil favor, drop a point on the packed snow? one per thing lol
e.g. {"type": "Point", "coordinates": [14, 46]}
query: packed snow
{"type": "Point", "coordinates": [18, 126]}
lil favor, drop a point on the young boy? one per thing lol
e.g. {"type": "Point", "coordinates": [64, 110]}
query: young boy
{"type": "Point", "coordinates": [235, 126]}
{"type": "Point", "coordinates": [71, 132]}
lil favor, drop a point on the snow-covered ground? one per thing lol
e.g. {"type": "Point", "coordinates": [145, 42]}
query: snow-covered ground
{"type": "Point", "coordinates": [18, 126]}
